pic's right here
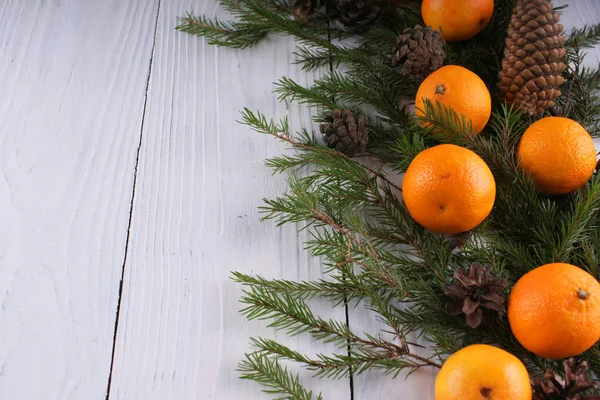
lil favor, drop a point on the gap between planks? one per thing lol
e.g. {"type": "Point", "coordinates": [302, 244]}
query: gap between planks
{"type": "Point", "coordinates": [346, 313]}
{"type": "Point", "coordinates": [135, 175]}
{"type": "Point", "coordinates": [127, 239]}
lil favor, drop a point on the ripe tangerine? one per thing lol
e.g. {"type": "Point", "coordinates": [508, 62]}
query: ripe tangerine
{"type": "Point", "coordinates": [448, 189]}
{"type": "Point", "coordinates": [457, 87]}
{"type": "Point", "coordinates": [558, 153]}
{"type": "Point", "coordinates": [480, 372]}
{"type": "Point", "coordinates": [554, 310]}
{"type": "Point", "coordinates": [457, 19]}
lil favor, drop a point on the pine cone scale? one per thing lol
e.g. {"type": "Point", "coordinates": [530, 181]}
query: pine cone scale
{"type": "Point", "coordinates": [470, 305]}
{"type": "Point", "coordinates": [475, 318]}
{"type": "Point", "coordinates": [532, 66]}
{"type": "Point", "coordinates": [345, 133]}
{"type": "Point", "coordinates": [493, 297]}
{"type": "Point", "coordinates": [454, 308]}
{"type": "Point", "coordinates": [359, 15]}
{"type": "Point", "coordinates": [455, 291]}
{"type": "Point", "coordinates": [492, 305]}
{"type": "Point", "coordinates": [476, 291]}
{"type": "Point", "coordinates": [419, 51]}
{"type": "Point", "coordinates": [574, 381]}
{"type": "Point", "coordinates": [305, 9]}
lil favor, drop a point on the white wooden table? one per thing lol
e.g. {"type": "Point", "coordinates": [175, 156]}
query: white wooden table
{"type": "Point", "coordinates": [127, 195]}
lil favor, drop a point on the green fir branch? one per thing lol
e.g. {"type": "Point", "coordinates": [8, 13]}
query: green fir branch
{"type": "Point", "coordinates": [220, 33]}
{"type": "Point", "coordinates": [441, 120]}
{"type": "Point", "coordinates": [376, 256]}
{"type": "Point", "coordinates": [313, 58]}
{"type": "Point", "coordinates": [254, 20]}
{"type": "Point", "coordinates": [580, 224]}
{"type": "Point", "coordinates": [586, 110]}
{"type": "Point", "coordinates": [338, 366]}
{"type": "Point", "coordinates": [291, 315]}
{"type": "Point", "coordinates": [310, 150]}
{"type": "Point", "coordinates": [585, 37]}
{"type": "Point", "coordinates": [288, 89]}
{"type": "Point", "coordinates": [295, 317]}
{"type": "Point", "coordinates": [276, 379]}
{"type": "Point", "coordinates": [338, 291]}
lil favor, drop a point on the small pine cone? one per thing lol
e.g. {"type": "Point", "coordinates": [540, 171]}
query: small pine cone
{"type": "Point", "coordinates": [533, 58]}
{"type": "Point", "coordinates": [345, 133]}
{"type": "Point", "coordinates": [420, 51]}
{"type": "Point", "coordinates": [359, 15]}
{"type": "Point", "coordinates": [305, 9]}
{"type": "Point", "coordinates": [569, 387]}
{"type": "Point", "coordinates": [476, 291]}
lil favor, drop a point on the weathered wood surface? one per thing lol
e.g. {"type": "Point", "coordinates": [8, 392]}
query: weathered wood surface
{"type": "Point", "coordinates": [201, 179]}
{"type": "Point", "coordinates": [85, 83]}
{"type": "Point", "coordinates": [73, 78]}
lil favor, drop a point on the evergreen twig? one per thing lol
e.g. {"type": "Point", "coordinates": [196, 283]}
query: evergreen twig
{"type": "Point", "coordinates": [377, 256]}
{"type": "Point", "coordinates": [276, 378]}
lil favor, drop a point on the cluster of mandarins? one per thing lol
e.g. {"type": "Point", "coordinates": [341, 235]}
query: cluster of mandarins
{"type": "Point", "coordinates": [554, 310]}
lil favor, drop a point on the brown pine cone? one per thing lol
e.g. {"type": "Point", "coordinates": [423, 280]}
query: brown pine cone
{"type": "Point", "coordinates": [359, 15]}
{"type": "Point", "coordinates": [305, 9]}
{"type": "Point", "coordinates": [476, 291]}
{"type": "Point", "coordinates": [345, 133]}
{"type": "Point", "coordinates": [569, 387]}
{"type": "Point", "coordinates": [533, 58]}
{"type": "Point", "coordinates": [420, 51]}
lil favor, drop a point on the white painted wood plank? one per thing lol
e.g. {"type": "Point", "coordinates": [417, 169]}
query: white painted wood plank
{"type": "Point", "coordinates": [201, 179]}
{"type": "Point", "coordinates": [578, 13]}
{"type": "Point", "coordinates": [73, 77]}
{"type": "Point", "coordinates": [373, 385]}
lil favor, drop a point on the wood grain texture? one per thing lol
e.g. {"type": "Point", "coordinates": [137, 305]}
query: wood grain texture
{"type": "Point", "coordinates": [201, 179]}
{"type": "Point", "coordinates": [73, 77]}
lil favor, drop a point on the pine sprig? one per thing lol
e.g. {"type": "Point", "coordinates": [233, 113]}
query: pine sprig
{"type": "Point", "coordinates": [440, 120]}
{"type": "Point", "coordinates": [307, 145]}
{"type": "Point", "coordinates": [388, 359]}
{"type": "Point", "coordinates": [276, 379]}
{"type": "Point", "coordinates": [288, 89]}
{"type": "Point", "coordinates": [585, 37]}
{"type": "Point", "coordinates": [586, 110]}
{"type": "Point", "coordinates": [376, 256]}
{"type": "Point", "coordinates": [220, 33]}
{"type": "Point", "coordinates": [291, 315]}
{"type": "Point", "coordinates": [580, 99]}
{"type": "Point", "coordinates": [255, 19]}
{"type": "Point", "coordinates": [579, 226]}
{"type": "Point", "coordinates": [337, 291]}
{"type": "Point", "coordinates": [295, 317]}
{"type": "Point", "coordinates": [331, 200]}
{"type": "Point", "coordinates": [313, 58]}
